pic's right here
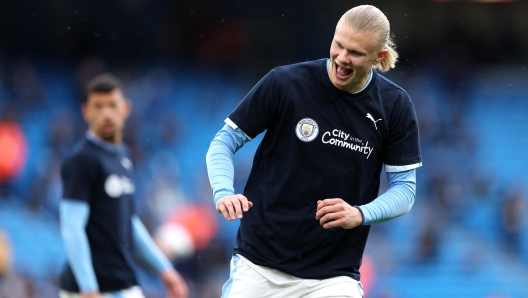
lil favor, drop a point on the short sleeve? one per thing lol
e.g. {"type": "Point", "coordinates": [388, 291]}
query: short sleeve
{"type": "Point", "coordinates": [259, 109]}
{"type": "Point", "coordinates": [78, 178]}
{"type": "Point", "coordinates": [402, 150]}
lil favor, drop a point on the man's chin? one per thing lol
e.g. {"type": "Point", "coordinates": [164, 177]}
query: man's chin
{"type": "Point", "coordinates": [106, 134]}
{"type": "Point", "coordinates": [341, 84]}
{"type": "Point", "coordinates": [109, 136]}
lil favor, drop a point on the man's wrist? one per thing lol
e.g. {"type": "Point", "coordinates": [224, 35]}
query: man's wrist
{"type": "Point", "coordinates": [222, 194]}
{"type": "Point", "coordinates": [167, 274]}
{"type": "Point", "coordinates": [91, 294]}
{"type": "Point", "coordinates": [89, 288]}
{"type": "Point", "coordinates": [362, 215]}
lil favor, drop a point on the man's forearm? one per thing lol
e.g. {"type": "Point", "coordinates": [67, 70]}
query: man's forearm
{"type": "Point", "coordinates": [395, 202]}
{"type": "Point", "coordinates": [220, 160]}
{"type": "Point", "coordinates": [146, 249]}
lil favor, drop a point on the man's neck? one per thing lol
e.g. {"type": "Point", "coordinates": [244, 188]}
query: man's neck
{"type": "Point", "coordinates": [111, 139]}
{"type": "Point", "coordinates": [364, 82]}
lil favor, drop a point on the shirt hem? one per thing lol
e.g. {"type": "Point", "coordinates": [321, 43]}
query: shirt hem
{"type": "Point", "coordinates": [281, 269]}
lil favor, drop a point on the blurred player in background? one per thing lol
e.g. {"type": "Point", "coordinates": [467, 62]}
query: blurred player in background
{"type": "Point", "coordinates": [312, 194]}
{"type": "Point", "coordinates": [100, 229]}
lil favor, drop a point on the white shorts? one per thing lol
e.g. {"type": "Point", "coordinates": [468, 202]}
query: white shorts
{"type": "Point", "coordinates": [132, 292]}
{"type": "Point", "coordinates": [248, 280]}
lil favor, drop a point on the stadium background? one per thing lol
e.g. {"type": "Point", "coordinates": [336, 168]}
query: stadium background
{"type": "Point", "coordinates": [187, 64]}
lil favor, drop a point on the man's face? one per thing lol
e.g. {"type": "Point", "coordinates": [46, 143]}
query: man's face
{"type": "Point", "coordinates": [352, 55]}
{"type": "Point", "coordinates": [106, 113]}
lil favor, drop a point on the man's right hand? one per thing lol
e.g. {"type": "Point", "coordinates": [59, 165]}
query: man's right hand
{"type": "Point", "coordinates": [232, 206]}
{"type": "Point", "coordinates": [91, 294]}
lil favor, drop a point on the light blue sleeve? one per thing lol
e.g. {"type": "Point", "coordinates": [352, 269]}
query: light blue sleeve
{"type": "Point", "coordinates": [395, 202]}
{"type": "Point", "coordinates": [73, 219]}
{"type": "Point", "coordinates": [145, 248]}
{"type": "Point", "coordinates": [220, 160]}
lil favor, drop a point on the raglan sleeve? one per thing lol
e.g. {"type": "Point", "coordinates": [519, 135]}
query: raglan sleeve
{"type": "Point", "coordinates": [402, 150]}
{"type": "Point", "coordinates": [259, 109]}
{"type": "Point", "coordinates": [78, 177]}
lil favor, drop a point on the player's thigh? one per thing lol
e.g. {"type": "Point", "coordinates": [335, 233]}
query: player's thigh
{"type": "Point", "coordinates": [66, 294]}
{"type": "Point", "coordinates": [336, 287]}
{"type": "Point", "coordinates": [245, 282]}
{"type": "Point", "coordinates": [133, 292]}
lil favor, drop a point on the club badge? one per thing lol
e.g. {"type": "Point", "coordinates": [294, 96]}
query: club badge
{"type": "Point", "coordinates": [307, 130]}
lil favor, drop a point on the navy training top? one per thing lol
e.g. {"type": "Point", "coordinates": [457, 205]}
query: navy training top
{"type": "Point", "coordinates": [320, 143]}
{"type": "Point", "coordinates": [101, 175]}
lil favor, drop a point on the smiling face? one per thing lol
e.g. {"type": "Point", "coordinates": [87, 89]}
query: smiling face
{"type": "Point", "coordinates": [352, 54]}
{"type": "Point", "coordinates": [105, 113]}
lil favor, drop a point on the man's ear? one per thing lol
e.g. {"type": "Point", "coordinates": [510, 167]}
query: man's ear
{"type": "Point", "coordinates": [381, 56]}
{"type": "Point", "coordinates": [128, 107]}
{"type": "Point", "coordinates": [84, 111]}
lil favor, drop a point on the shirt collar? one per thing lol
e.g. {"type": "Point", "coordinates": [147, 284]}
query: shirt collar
{"type": "Point", "coordinates": [103, 144]}
{"type": "Point", "coordinates": [367, 83]}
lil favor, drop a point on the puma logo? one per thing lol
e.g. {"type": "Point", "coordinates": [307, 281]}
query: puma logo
{"type": "Point", "coordinates": [372, 118]}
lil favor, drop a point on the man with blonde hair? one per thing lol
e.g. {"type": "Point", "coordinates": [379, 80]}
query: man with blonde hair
{"type": "Point", "coordinates": [331, 125]}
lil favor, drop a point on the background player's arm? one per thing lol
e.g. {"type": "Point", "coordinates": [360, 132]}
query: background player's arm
{"type": "Point", "coordinates": [220, 160]}
{"type": "Point", "coordinates": [149, 253]}
{"type": "Point", "coordinates": [73, 219]}
{"type": "Point", "coordinates": [395, 202]}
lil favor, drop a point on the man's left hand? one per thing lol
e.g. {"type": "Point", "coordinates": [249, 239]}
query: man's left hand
{"type": "Point", "coordinates": [175, 284]}
{"type": "Point", "coordinates": [335, 212]}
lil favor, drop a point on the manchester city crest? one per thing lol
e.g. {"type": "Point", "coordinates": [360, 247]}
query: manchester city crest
{"type": "Point", "coordinates": [307, 130]}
